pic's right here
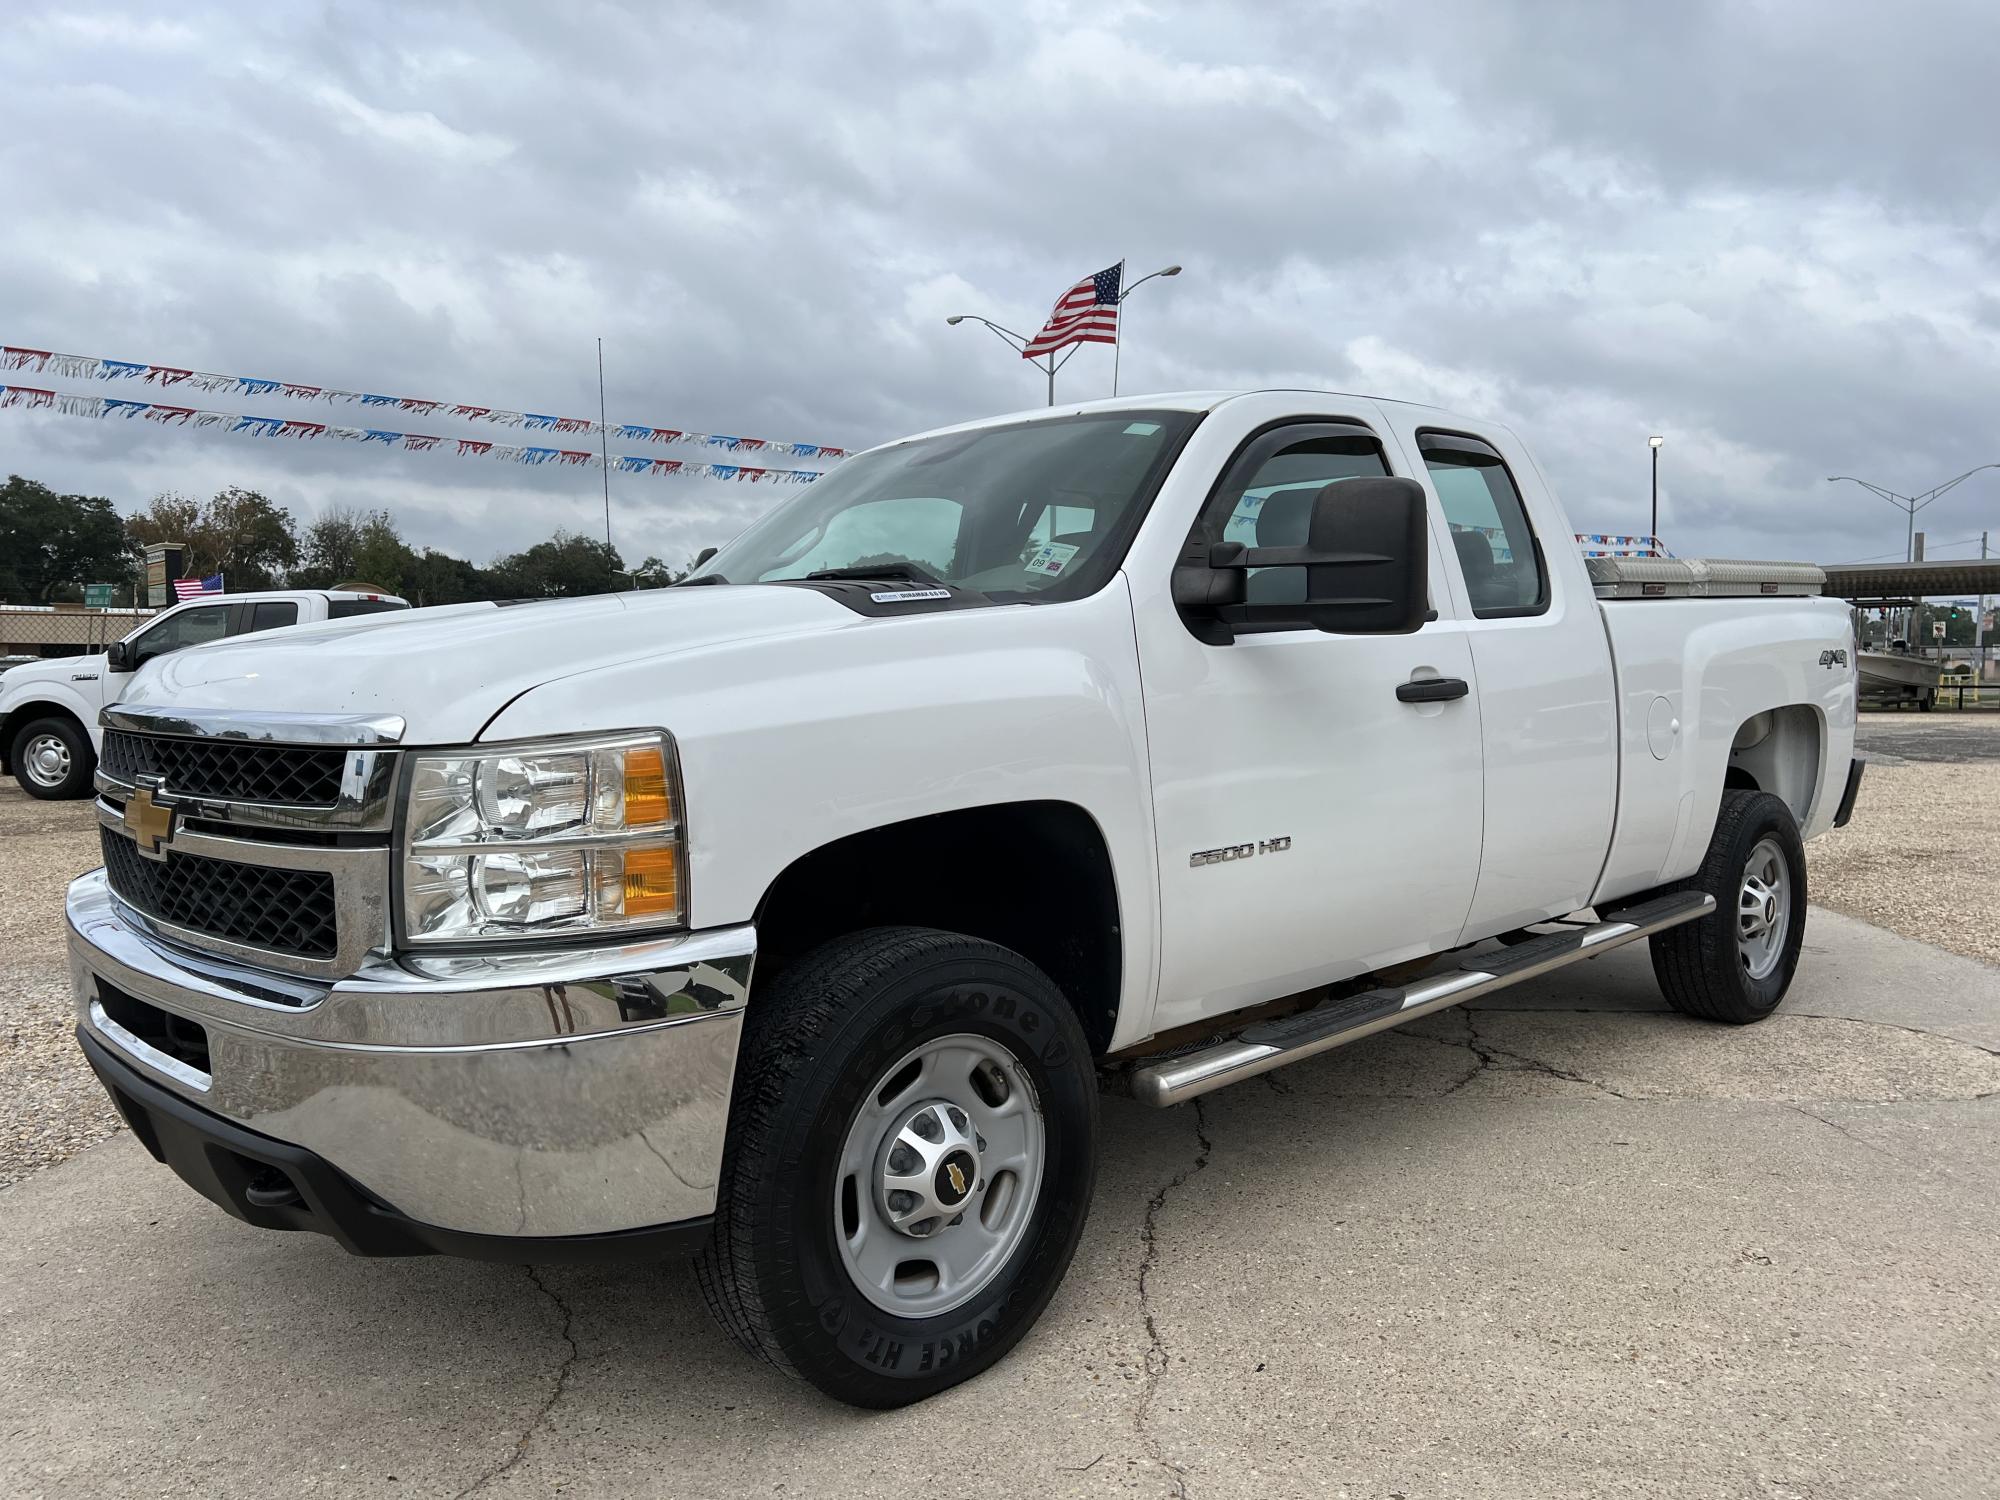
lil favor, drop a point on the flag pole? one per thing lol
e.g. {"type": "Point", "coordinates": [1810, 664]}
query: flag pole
{"type": "Point", "coordinates": [1118, 333]}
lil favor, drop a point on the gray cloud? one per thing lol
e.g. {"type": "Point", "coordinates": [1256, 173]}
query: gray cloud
{"type": "Point", "coordinates": [1767, 231]}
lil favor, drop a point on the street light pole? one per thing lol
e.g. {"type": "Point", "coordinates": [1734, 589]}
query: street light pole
{"type": "Point", "coordinates": [1047, 363]}
{"type": "Point", "coordinates": [1654, 443]}
{"type": "Point", "coordinates": [1910, 505]}
{"type": "Point", "coordinates": [1118, 348]}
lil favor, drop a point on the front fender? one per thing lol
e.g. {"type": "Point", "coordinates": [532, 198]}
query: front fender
{"type": "Point", "coordinates": [792, 742]}
{"type": "Point", "coordinates": [29, 700]}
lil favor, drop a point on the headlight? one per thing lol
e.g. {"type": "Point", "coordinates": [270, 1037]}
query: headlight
{"type": "Point", "coordinates": [559, 836]}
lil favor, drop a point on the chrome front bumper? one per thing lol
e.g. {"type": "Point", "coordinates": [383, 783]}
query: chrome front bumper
{"type": "Point", "coordinates": [563, 1093]}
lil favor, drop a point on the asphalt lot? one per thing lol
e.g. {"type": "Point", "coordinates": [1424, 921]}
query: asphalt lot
{"type": "Point", "coordinates": [1560, 1245]}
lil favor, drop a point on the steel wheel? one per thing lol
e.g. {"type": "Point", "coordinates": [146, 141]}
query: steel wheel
{"type": "Point", "coordinates": [46, 760]}
{"type": "Point", "coordinates": [1763, 909]}
{"type": "Point", "coordinates": [939, 1175]}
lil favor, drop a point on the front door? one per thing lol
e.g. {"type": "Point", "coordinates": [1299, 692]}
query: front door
{"type": "Point", "coordinates": [1311, 824]}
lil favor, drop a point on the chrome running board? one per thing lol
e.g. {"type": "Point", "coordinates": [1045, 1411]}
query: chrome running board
{"type": "Point", "coordinates": [1266, 1045]}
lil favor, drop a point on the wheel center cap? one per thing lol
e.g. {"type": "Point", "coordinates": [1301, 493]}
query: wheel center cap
{"type": "Point", "coordinates": [929, 1168]}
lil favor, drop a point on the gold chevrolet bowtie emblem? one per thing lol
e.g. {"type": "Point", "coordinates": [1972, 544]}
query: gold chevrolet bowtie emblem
{"type": "Point", "coordinates": [150, 824]}
{"type": "Point", "coordinates": [957, 1177]}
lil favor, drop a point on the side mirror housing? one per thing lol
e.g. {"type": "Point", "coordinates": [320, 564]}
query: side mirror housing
{"type": "Point", "coordinates": [118, 657]}
{"type": "Point", "coordinates": [1366, 560]}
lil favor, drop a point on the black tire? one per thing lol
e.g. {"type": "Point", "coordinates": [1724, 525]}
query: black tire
{"type": "Point", "coordinates": [1926, 703]}
{"type": "Point", "coordinates": [815, 1042]}
{"type": "Point", "coordinates": [74, 780]}
{"type": "Point", "coordinates": [1700, 965]}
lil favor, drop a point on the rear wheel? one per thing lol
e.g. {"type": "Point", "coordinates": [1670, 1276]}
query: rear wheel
{"type": "Point", "coordinates": [52, 759]}
{"type": "Point", "coordinates": [1735, 964]}
{"type": "Point", "coordinates": [912, 1147]}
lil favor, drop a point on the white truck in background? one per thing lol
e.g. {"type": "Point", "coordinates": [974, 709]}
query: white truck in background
{"type": "Point", "coordinates": [793, 916]}
{"type": "Point", "coordinates": [49, 735]}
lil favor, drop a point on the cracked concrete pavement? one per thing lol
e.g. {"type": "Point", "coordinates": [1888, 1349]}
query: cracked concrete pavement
{"type": "Point", "coordinates": [1564, 1244]}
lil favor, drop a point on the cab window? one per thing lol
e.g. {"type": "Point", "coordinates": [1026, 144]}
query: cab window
{"type": "Point", "coordinates": [272, 614]}
{"type": "Point", "coordinates": [1269, 503]}
{"type": "Point", "coordinates": [1496, 547]}
{"type": "Point", "coordinates": [190, 627]}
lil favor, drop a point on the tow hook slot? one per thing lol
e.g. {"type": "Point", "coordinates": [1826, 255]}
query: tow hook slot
{"type": "Point", "coordinates": [271, 1188]}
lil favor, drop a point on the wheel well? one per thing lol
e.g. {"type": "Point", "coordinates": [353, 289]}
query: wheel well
{"type": "Point", "coordinates": [1031, 876]}
{"type": "Point", "coordinates": [1778, 751]}
{"type": "Point", "coordinates": [20, 717]}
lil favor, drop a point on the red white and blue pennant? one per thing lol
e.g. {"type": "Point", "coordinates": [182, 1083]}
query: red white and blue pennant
{"type": "Point", "coordinates": [172, 377]}
{"type": "Point", "coordinates": [105, 407]}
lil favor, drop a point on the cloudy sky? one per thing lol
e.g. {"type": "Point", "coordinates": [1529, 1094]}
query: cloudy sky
{"type": "Point", "coordinates": [1769, 231]}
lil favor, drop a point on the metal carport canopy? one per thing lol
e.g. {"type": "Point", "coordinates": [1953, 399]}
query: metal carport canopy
{"type": "Point", "coordinates": [1905, 583]}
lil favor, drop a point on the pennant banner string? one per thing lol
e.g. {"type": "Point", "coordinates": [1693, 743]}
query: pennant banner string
{"type": "Point", "coordinates": [88, 367]}
{"type": "Point", "coordinates": [103, 408]}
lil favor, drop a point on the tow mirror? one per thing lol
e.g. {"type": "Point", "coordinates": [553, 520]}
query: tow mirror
{"type": "Point", "coordinates": [1366, 561]}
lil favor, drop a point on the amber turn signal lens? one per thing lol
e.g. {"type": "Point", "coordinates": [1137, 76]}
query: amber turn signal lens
{"type": "Point", "coordinates": [647, 800]}
{"type": "Point", "coordinates": [652, 883]}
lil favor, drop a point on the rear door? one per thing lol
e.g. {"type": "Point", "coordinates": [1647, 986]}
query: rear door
{"type": "Point", "coordinates": [1311, 825]}
{"type": "Point", "coordinates": [1547, 701]}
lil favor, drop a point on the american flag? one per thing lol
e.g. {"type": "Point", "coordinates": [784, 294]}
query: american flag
{"type": "Point", "coordinates": [1085, 314]}
{"type": "Point", "coordinates": [191, 588]}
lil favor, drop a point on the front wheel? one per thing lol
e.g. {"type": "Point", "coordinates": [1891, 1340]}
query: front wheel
{"type": "Point", "coordinates": [52, 759]}
{"type": "Point", "coordinates": [1735, 964]}
{"type": "Point", "coordinates": [912, 1147]}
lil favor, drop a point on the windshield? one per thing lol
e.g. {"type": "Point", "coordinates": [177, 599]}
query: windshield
{"type": "Point", "coordinates": [1032, 509]}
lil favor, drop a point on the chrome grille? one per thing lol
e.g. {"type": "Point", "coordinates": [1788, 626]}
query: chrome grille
{"type": "Point", "coordinates": [287, 775]}
{"type": "Point", "coordinates": [282, 911]}
{"type": "Point", "coordinates": [275, 832]}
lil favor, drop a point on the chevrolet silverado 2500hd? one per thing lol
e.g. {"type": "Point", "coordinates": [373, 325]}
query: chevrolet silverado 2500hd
{"type": "Point", "coordinates": [794, 915]}
{"type": "Point", "coordinates": [49, 734]}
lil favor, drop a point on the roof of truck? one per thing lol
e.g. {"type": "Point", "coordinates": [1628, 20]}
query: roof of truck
{"type": "Point", "coordinates": [1157, 401]}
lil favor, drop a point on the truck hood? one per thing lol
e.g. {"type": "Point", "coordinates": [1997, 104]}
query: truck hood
{"type": "Point", "coordinates": [447, 672]}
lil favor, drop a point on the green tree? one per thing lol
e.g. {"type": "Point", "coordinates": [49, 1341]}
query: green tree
{"type": "Point", "coordinates": [435, 577]}
{"type": "Point", "coordinates": [563, 567]}
{"type": "Point", "coordinates": [51, 545]}
{"type": "Point", "coordinates": [342, 544]}
{"type": "Point", "coordinates": [236, 532]}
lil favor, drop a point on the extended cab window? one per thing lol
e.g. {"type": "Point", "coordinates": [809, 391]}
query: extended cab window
{"type": "Point", "coordinates": [270, 614]}
{"type": "Point", "coordinates": [1268, 503]}
{"type": "Point", "coordinates": [345, 609]}
{"type": "Point", "coordinates": [1496, 548]}
{"type": "Point", "coordinates": [191, 627]}
{"type": "Point", "coordinates": [1027, 512]}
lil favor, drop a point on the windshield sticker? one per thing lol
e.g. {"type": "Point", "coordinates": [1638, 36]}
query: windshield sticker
{"type": "Point", "coordinates": [904, 596]}
{"type": "Point", "coordinates": [1142, 429]}
{"type": "Point", "coordinates": [1052, 557]}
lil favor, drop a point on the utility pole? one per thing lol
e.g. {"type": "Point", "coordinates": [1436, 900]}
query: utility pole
{"type": "Point", "coordinates": [1979, 624]}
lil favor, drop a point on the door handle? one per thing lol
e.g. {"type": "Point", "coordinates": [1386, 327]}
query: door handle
{"type": "Point", "coordinates": [1432, 689]}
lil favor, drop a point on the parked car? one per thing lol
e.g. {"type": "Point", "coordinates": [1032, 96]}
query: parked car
{"type": "Point", "coordinates": [793, 916]}
{"type": "Point", "coordinates": [49, 734]}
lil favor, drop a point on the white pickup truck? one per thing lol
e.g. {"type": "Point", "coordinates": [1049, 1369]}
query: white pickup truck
{"type": "Point", "coordinates": [49, 734]}
{"type": "Point", "coordinates": [794, 916]}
